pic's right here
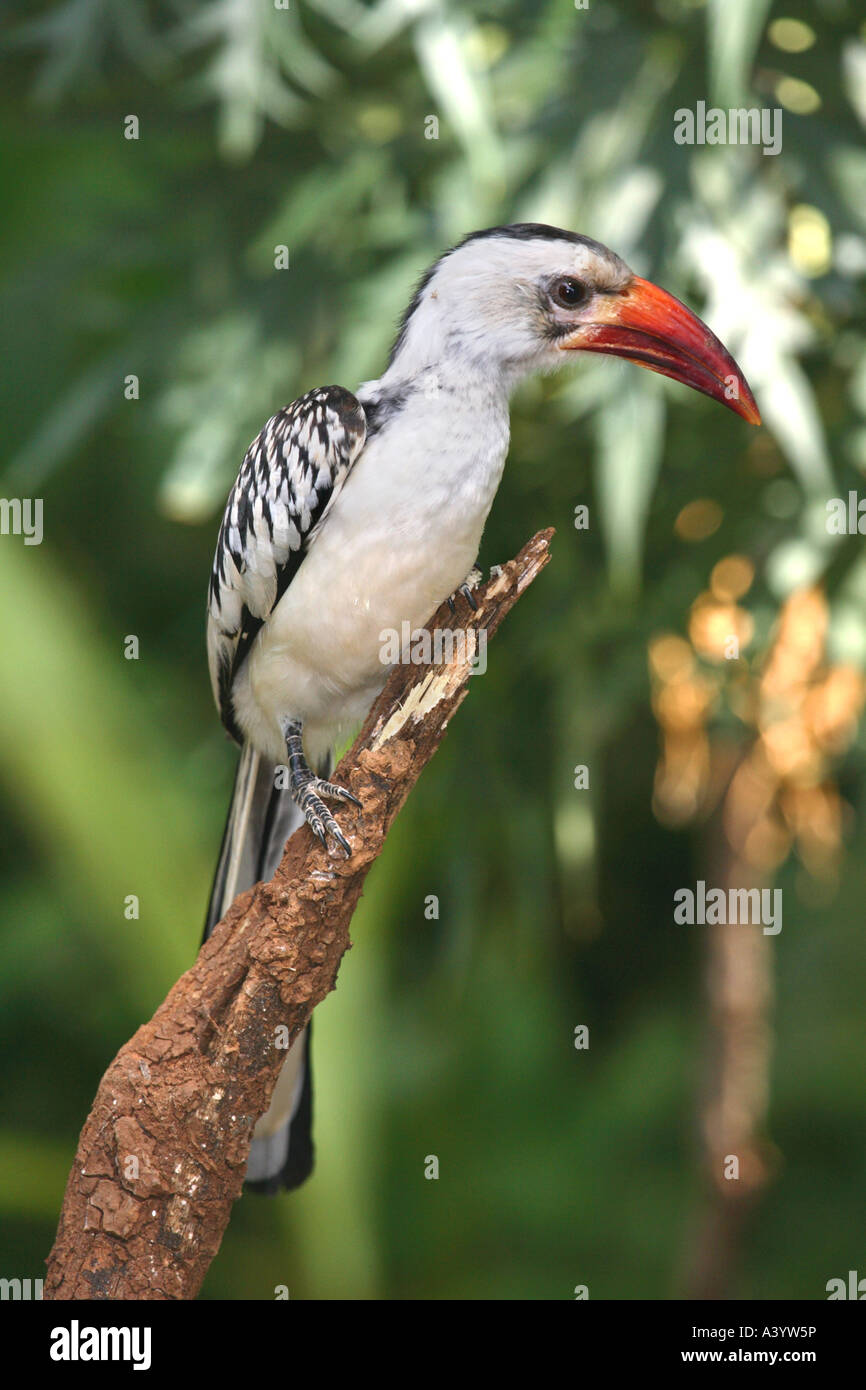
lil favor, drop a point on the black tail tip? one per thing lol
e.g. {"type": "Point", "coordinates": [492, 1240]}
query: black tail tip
{"type": "Point", "coordinates": [297, 1168]}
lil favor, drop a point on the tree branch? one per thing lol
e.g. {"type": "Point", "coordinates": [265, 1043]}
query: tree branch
{"type": "Point", "coordinates": [163, 1152]}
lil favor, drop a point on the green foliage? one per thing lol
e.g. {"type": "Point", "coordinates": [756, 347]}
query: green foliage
{"type": "Point", "coordinates": [307, 127]}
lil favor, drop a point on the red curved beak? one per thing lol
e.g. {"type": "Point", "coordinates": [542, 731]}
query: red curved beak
{"type": "Point", "coordinates": [646, 325]}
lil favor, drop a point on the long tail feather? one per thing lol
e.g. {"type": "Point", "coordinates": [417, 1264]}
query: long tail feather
{"type": "Point", "coordinates": [261, 818]}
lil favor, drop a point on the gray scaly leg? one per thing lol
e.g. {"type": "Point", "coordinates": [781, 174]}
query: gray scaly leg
{"type": "Point", "coordinates": [307, 790]}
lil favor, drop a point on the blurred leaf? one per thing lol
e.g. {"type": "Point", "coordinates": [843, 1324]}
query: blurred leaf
{"type": "Point", "coordinates": [854, 72]}
{"type": "Point", "coordinates": [461, 91]}
{"type": "Point", "coordinates": [629, 434]}
{"type": "Point", "coordinates": [33, 1175]}
{"type": "Point", "coordinates": [67, 424]}
{"type": "Point", "coordinates": [100, 800]}
{"type": "Point", "coordinates": [734, 30]}
{"type": "Point", "coordinates": [224, 375]}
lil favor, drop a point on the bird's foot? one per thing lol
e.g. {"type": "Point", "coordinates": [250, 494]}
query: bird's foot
{"type": "Point", "coordinates": [472, 580]}
{"type": "Point", "coordinates": [307, 791]}
{"type": "Point", "coordinates": [309, 797]}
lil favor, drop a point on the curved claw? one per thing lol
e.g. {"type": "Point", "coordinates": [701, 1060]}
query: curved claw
{"type": "Point", "coordinates": [338, 793]}
{"type": "Point", "coordinates": [474, 577]}
{"type": "Point", "coordinates": [336, 832]}
{"type": "Point", "coordinates": [318, 817]}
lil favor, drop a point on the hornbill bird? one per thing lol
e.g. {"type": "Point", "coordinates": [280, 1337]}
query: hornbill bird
{"type": "Point", "coordinates": [353, 513]}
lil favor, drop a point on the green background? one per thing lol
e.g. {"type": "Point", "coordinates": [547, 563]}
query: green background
{"type": "Point", "coordinates": [155, 257]}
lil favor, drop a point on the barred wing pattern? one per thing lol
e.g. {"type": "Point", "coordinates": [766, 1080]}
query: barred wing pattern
{"type": "Point", "coordinates": [290, 475]}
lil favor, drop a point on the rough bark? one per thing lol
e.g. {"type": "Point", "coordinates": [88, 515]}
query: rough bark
{"type": "Point", "coordinates": [162, 1155]}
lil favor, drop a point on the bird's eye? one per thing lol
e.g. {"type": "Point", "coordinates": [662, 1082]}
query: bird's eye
{"type": "Point", "coordinates": [568, 292]}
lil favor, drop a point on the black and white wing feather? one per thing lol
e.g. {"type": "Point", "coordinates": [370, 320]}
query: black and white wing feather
{"type": "Point", "coordinates": [290, 475]}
